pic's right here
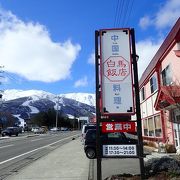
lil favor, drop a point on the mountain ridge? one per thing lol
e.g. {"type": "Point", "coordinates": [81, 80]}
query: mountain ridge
{"type": "Point", "coordinates": [25, 104]}
{"type": "Point", "coordinates": [86, 98]}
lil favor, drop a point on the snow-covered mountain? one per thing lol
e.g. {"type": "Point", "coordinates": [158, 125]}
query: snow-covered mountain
{"type": "Point", "coordinates": [85, 98]}
{"type": "Point", "coordinates": [24, 104]}
{"type": "Point", "coordinates": [81, 97]}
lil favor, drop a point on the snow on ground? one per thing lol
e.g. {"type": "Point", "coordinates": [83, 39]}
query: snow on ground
{"type": "Point", "coordinates": [85, 98]}
{"type": "Point", "coordinates": [70, 116]}
{"type": "Point", "coordinates": [22, 122]}
{"type": "Point", "coordinates": [34, 110]}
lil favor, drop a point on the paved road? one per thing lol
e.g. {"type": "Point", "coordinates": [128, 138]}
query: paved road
{"type": "Point", "coordinates": [67, 162]}
{"type": "Point", "coordinates": [17, 152]}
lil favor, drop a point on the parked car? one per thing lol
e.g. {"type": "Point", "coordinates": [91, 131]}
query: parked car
{"type": "Point", "coordinates": [54, 129]}
{"type": "Point", "coordinates": [64, 129]}
{"type": "Point", "coordinates": [107, 138]}
{"type": "Point", "coordinates": [85, 128]}
{"type": "Point", "coordinates": [33, 128]}
{"type": "Point", "coordinates": [38, 130]}
{"type": "Point", "coordinates": [27, 129]}
{"type": "Point", "coordinates": [9, 131]}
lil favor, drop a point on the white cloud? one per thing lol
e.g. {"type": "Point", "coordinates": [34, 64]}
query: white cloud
{"type": "Point", "coordinates": [145, 22]}
{"type": "Point", "coordinates": [168, 14]}
{"type": "Point", "coordinates": [4, 79]}
{"type": "Point", "coordinates": [165, 17]}
{"type": "Point", "coordinates": [91, 59]}
{"type": "Point", "coordinates": [26, 49]}
{"type": "Point", "coordinates": [146, 50]}
{"type": "Point", "coordinates": [81, 82]}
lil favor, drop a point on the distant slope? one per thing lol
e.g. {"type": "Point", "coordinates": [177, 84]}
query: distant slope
{"type": "Point", "coordinates": [81, 97]}
{"type": "Point", "coordinates": [24, 104]}
{"type": "Point", "coordinates": [85, 98]}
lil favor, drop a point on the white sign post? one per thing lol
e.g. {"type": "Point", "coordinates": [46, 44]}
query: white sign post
{"type": "Point", "coordinates": [117, 95]}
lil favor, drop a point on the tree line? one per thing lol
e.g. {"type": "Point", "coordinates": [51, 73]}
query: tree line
{"type": "Point", "coordinates": [49, 119]}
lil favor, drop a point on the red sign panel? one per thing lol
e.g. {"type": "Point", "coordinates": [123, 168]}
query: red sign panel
{"type": "Point", "coordinates": [118, 127]}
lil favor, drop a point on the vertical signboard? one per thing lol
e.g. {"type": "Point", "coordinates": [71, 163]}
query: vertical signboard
{"type": "Point", "coordinates": [115, 90]}
{"type": "Point", "coordinates": [116, 72]}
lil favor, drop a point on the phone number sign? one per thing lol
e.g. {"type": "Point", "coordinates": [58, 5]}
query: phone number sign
{"type": "Point", "coordinates": [118, 127]}
{"type": "Point", "coordinates": [119, 150]}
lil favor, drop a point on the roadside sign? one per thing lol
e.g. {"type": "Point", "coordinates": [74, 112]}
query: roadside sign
{"type": "Point", "coordinates": [118, 127]}
{"type": "Point", "coordinates": [120, 150]}
{"type": "Point", "coordinates": [117, 96]}
{"type": "Point", "coordinates": [117, 93]}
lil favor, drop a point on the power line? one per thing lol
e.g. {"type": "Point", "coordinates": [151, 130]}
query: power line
{"type": "Point", "coordinates": [130, 12]}
{"type": "Point", "coordinates": [126, 6]}
{"type": "Point", "coordinates": [116, 13]}
{"type": "Point", "coordinates": [123, 12]}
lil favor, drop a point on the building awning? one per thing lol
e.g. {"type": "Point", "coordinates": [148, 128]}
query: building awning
{"type": "Point", "coordinates": [167, 97]}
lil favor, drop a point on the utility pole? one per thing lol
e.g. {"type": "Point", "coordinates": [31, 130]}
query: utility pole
{"type": "Point", "coordinates": [57, 107]}
{"type": "Point", "coordinates": [1, 95]}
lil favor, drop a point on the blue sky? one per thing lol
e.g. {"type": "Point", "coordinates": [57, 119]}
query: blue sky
{"type": "Point", "coordinates": [49, 44]}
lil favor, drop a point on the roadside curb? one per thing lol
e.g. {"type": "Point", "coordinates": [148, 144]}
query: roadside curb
{"type": "Point", "coordinates": [91, 170]}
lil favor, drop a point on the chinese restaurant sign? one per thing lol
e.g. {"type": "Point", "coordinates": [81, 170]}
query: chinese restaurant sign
{"type": "Point", "coordinates": [116, 72]}
{"type": "Point", "coordinates": [118, 127]}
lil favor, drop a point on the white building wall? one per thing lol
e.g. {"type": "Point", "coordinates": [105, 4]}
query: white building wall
{"type": "Point", "coordinates": [144, 110]}
{"type": "Point", "coordinates": [149, 107]}
{"type": "Point", "coordinates": [153, 102]}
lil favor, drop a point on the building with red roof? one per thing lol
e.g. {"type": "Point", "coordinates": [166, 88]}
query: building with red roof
{"type": "Point", "coordinates": [160, 92]}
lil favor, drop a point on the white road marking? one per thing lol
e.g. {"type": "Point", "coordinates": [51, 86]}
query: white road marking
{"type": "Point", "coordinates": [2, 162]}
{"type": "Point", "coordinates": [36, 139]}
{"type": "Point", "coordinates": [6, 146]}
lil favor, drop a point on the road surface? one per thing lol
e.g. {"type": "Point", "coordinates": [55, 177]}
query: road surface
{"type": "Point", "coordinates": [17, 152]}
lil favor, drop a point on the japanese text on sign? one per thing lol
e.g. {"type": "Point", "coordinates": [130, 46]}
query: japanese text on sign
{"type": "Point", "coordinates": [116, 68]}
{"type": "Point", "coordinates": [119, 150]}
{"type": "Point", "coordinates": [116, 72]}
{"type": "Point", "coordinates": [116, 93]}
{"type": "Point", "coordinates": [115, 46]}
{"type": "Point", "coordinates": [118, 127]}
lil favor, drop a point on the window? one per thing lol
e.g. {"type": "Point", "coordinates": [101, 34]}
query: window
{"type": "Point", "coordinates": [115, 137]}
{"type": "Point", "coordinates": [166, 76]}
{"type": "Point", "coordinates": [142, 94]}
{"type": "Point", "coordinates": [153, 84]}
{"type": "Point", "coordinates": [151, 126]}
{"type": "Point", "coordinates": [91, 135]}
{"type": "Point", "coordinates": [177, 120]}
{"type": "Point", "coordinates": [157, 123]}
{"type": "Point", "coordinates": [145, 127]}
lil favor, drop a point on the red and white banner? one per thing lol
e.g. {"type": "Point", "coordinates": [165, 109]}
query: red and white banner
{"type": "Point", "coordinates": [118, 127]}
